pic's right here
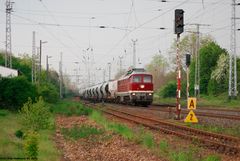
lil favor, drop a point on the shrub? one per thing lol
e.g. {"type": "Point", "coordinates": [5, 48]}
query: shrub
{"type": "Point", "coordinates": [19, 134]}
{"type": "Point", "coordinates": [15, 92]}
{"type": "Point", "coordinates": [35, 116]}
{"type": "Point", "coordinates": [31, 145]}
{"type": "Point", "coordinates": [48, 92]}
{"type": "Point", "coordinates": [3, 112]}
{"type": "Point", "coordinates": [169, 90]}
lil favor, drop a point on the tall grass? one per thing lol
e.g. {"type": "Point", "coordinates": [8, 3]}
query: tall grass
{"type": "Point", "coordinates": [83, 131]}
{"type": "Point", "coordinates": [70, 108]}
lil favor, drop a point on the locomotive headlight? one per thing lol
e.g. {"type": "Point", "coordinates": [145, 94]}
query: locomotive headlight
{"type": "Point", "coordinates": [142, 86]}
{"type": "Point", "coordinates": [150, 94]}
{"type": "Point", "coordinates": [133, 94]}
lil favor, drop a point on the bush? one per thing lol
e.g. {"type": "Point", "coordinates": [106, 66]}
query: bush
{"type": "Point", "coordinates": [15, 92]}
{"type": "Point", "coordinates": [169, 90]}
{"type": "Point", "coordinates": [35, 116]}
{"type": "Point", "coordinates": [31, 145]}
{"type": "Point", "coordinates": [49, 92]}
{"type": "Point", "coordinates": [19, 134]}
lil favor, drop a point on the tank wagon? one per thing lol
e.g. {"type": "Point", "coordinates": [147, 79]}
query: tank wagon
{"type": "Point", "coordinates": [135, 87]}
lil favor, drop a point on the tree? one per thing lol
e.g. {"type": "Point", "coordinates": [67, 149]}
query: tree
{"type": "Point", "coordinates": [209, 55]}
{"type": "Point", "coordinates": [158, 68]}
{"type": "Point", "coordinates": [15, 91]}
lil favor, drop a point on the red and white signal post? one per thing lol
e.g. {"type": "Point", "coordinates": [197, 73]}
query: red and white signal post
{"type": "Point", "coordinates": [179, 26]}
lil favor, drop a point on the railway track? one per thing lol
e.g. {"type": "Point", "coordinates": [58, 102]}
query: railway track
{"type": "Point", "coordinates": [219, 142]}
{"type": "Point", "coordinates": [206, 114]}
{"type": "Point", "coordinates": [200, 108]}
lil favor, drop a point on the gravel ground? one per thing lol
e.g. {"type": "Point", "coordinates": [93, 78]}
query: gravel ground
{"type": "Point", "coordinates": [108, 147]}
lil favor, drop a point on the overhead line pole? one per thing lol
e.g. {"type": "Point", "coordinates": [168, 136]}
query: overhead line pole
{"type": "Point", "coordinates": [232, 88]}
{"type": "Point", "coordinates": [8, 53]}
{"type": "Point", "coordinates": [33, 57]}
{"type": "Point", "coordinates": [134, 53]}
{"type": "Point", "coordinates": [197, 60]}
{"type": "Point", "coordinates": [61, 77]}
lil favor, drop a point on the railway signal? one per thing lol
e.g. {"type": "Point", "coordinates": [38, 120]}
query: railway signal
{"type": "Point", "coordinates": [179, 24]}
{"type": "Point", "coordinates": [188, 61]}
{"type": "Point", "coordinates": [179, 21]}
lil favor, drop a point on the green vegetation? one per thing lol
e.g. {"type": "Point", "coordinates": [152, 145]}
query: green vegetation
{"type": "Point", "coordinates": [35, 116]}
{"type": "Point", "coordinates": [140, 136]}
{"type": "Point", "coordinates": [70, 108]}
{"type": "Point", "coordinates": [15, 91]}
{"type": "Point", "coordinates": [205, 101]}
{"type": "Point", "coordinates": [83, 131]}
{"type": "Point", "coordinates": [31, 145]}
{"type": "Point", "coordinates": [12, 146]}
{"type": "Point", "coordinates": [214, 73]}
{"type": "Point", "coordinates": [235, 131]}
{"type": "Point", "coordinates": [169, 90]}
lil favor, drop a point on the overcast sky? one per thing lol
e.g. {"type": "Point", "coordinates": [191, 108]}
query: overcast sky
{"type": "Point", "coordinates": [72, 26]}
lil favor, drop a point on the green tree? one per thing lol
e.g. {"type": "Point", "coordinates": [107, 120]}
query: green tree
{"type": "Point", "coordinates": [15, 91]}
{"type": "Point", "coordinates": [209, 55]}
{"type": "Point", "coordinates": [219, 77]}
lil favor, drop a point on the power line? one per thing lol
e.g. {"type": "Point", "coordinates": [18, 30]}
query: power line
{"type": "Point", "coordinates": [46, 29]}
{"type": "Point", "coordinates": [146, 22]}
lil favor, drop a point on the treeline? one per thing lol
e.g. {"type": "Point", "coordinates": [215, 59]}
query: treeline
{"type": "Point", "coordinates": [16, 91]}
{"type": "Point", "coordinates": [214, 69]}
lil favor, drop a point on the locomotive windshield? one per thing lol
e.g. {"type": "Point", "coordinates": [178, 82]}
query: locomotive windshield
{"type": "Point", "coordinates": [136, 79]}
{"type": "Point", "coordinates": [147, 79]}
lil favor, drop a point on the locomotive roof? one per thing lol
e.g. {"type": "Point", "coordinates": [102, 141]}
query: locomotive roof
{"type": "Point", "coordinates": [134, 71]}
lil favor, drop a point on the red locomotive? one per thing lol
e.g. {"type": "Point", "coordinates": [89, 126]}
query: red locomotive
{"type": "Point", "coordinates": [135, 87]}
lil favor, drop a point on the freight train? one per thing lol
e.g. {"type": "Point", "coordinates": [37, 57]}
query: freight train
{"type": "Point", "coordinates": [135, 87]}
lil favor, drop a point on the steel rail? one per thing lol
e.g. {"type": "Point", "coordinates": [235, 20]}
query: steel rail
{"type": "Point", "coordinates": [213, 139]}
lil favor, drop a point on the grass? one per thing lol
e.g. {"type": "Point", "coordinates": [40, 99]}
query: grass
{"type": "Point", "coordinates": [146, 139]}
{"type": "Point", "coordinates": [235, 131]}
{"type": "Point", "coordinates": [70, 108]}
{"type": "Point", "coordinates": [204, 101]}
{"type": "Point", "coordinates": [83, 131]}
{"type": "Point", "coordinates": [11, 146]}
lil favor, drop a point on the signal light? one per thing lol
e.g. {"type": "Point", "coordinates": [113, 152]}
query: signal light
{"type": "Point", "coordinates": [188, 59]}
{"type": "Point", "coordinates": [179, 21]}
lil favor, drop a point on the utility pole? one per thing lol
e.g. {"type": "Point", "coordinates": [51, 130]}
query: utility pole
{"type": "Point", "coordinates": [134, 53]}
{"type": "Point", "coordinates": [8, 54]}
{"type": "Point", "coordinates": [47, 67]}
{"type": "Point", "coordinates": [232, 88]}
{"type": "Point", "coordinates": [33, 57]}
{"type": "Point", "coordinates": [37, 66]}
{"type": "Point", "coordinates": [197, 60]}
{"type": "Point", "coordinates": [109, 70]}
{"type": "Point", "coordinates": [120, 63]}
{"type": "Point", "coordinates": [104, 75]}
{"type": "Point", "coordinates": [61, 77]}
{"type": "Point", "coordinates": [40, 59]}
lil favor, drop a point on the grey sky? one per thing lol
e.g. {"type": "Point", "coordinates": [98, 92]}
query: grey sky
{"type": "Point", "coordinates": [69, 27]}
